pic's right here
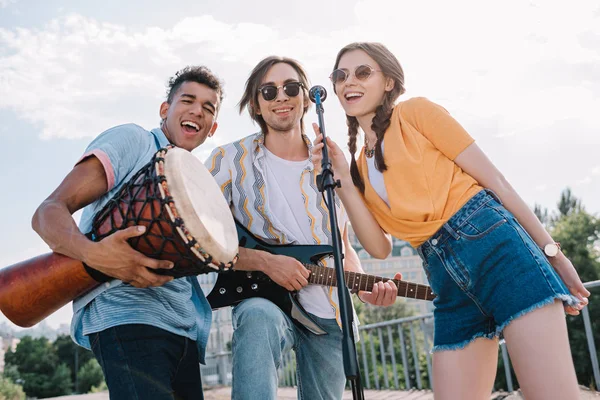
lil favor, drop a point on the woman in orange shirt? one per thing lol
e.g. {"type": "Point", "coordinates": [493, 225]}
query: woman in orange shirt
{"type": "Point", "coordinates": [494, 268]}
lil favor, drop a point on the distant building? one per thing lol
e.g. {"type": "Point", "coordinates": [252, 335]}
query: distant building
{"type": "Point", "coordinates": [6, 344]}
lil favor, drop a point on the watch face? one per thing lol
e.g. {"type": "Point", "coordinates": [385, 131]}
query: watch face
{"type": "Point", "coordinates": [551, 250]}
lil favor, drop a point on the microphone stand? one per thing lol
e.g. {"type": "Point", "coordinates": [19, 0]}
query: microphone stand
{"type": "Point", "coordinates": [327, 184]}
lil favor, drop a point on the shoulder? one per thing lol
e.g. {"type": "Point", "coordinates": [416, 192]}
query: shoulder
{"type": "Point", "coordinates": [244, 144]}
{"type": "Point", "coordinates": [417, 106]}
{"type": "Point", "coordinates": [126, 134]}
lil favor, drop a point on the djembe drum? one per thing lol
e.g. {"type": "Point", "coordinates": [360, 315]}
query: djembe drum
{"type": "Point", "coordinates": [187, 222]}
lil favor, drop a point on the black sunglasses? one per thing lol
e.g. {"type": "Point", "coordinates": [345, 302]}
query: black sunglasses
{"type": "Point", "coordinates": [362, 73]}
{"type": "Point", "coordinates": [291, 89]}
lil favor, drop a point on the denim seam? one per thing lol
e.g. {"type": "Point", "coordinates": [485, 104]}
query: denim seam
{"type": "Point", "coordinates": [479, 207]}
{"type": "Point", "coordinates": [484, 233]}
{"type": "Point", "coordinates": [101, 361]}
{"type": "Point", "coordinates": [540, 268]}
{"type": "Point", "coordinates": [298, 361]}
{"type": "Point", "coordinates": [96, 339]}
{"type": "Point", "coordinates": [479, 306]}
{"type": "Point", "coordinates": [129, 374]}
{"type": "Point", "coordinates": [183, 357]}
{"type": "Point", "coordinates": [461, 268]}
{"type": "Point", "coordinates": [450, 271]}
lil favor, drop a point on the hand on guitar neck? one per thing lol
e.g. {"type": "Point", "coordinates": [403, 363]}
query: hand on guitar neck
{"type": "Point", "coordinates": [383, 293]}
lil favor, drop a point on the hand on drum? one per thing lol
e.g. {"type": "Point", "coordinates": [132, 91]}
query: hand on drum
{"type": "Point", "coordinates": [336, 156]}
{"type": "Point", "coordinates": [383, 293]}
{"type": "Point", "coordinates": [114, 257]}
{"type": "Point", "coordinates": [287, 272]}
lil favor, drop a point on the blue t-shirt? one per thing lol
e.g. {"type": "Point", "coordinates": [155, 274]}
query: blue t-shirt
{"type": "Point", "coordinates": [178, 306]}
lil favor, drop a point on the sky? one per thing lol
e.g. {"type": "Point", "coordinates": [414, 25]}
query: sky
{"type": "Point", "coordinates": [523, 77]}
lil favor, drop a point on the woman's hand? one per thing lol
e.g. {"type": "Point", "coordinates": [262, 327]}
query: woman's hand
{"type": "Point", "coordinates": [568, 274]}
{"type": "Point", "coordinates": [383, 294]}
{"type": "Point", "coordinates": [336, 156]}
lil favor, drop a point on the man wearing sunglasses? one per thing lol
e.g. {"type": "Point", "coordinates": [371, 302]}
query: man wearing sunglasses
{"type": "Point", "coordinates": [269, 181]}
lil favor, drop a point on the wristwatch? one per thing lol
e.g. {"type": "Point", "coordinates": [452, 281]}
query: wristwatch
{"type": "Point", "coordinates": [552, 249]}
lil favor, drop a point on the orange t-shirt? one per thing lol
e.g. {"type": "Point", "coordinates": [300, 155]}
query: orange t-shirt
{"type": "Point", "coordinates": [424, 185]}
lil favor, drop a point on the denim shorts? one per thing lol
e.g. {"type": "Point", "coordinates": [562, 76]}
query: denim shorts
{"type": "Point", "coordinates": [485, 271]}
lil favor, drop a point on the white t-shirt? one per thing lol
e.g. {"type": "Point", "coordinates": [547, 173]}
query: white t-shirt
{"type": "Point", "coordinates": [286, 203]}
{"type": "Point", "coordinates": [376, 179]}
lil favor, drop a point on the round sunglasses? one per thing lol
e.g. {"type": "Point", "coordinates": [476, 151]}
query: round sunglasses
{"type": "Point", "coordinates": [362, 73]}
{"type": "Point", "coordinates": [291, 89]}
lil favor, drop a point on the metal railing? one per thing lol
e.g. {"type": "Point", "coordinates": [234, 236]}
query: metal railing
{"type": "Point", "coordinates": [394, 355]}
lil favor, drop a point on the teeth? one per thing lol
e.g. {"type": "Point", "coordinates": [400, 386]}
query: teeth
{"type": "Point", "coordinates": [283, 111]}
{"type": "Point", "coordinates": [191, 124]}
{"type": "Point", "coordinates": [350, 95]}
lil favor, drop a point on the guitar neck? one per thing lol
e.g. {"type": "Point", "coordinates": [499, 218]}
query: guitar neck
{"type": "Point", "coordinates": [355, 281]}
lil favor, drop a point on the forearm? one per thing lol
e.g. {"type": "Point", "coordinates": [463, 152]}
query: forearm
{"type": "Point", "coordinates": [374, 240]}
{"type": "Point", "coordinates": [56, 226]}
{"type": "Point", "coordinates": [253, 260]}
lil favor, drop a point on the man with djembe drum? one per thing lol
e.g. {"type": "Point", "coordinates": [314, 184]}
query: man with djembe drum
{"type": "Point", "coordinates": [148, 331]}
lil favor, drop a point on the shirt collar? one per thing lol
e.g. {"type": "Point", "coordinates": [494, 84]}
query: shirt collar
{"type": "Point", "coordinates": [161, 139]}
{"type": "Point", "coordinates": [259, 147]}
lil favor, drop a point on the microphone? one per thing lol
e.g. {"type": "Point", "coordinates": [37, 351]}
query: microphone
{"type": "Point", "coordinates": [312, 93]}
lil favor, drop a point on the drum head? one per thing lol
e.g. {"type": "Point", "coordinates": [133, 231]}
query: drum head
{"type": "Point", "coordinates": [200, 203]}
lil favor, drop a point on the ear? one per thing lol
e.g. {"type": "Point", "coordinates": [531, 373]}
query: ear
{"type": "Point", "coordinates": [164, 109]}
{"type": "Point", "coordinates": [255, 108]}
{"type": "Point", "coordinates": [389, 84]}
{"type": "Point", "coordinates": [213, 129]}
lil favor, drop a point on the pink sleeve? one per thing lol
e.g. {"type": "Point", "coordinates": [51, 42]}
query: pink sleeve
{"type": "Point", "coordinates": [105, 160]}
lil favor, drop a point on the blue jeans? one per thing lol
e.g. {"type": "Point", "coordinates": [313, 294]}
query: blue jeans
{"type": "Point", "coordinates": [486, 271]}
{"type": "Point", "coordinates": [142, 362]}
{"type": "Point", "coordinates": [263, 334]}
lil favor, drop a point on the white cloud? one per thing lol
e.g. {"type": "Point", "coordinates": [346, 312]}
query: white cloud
{"type": "Point", "coordinates": [6, 3]}
{"type": "Point", "coordinates": [585, 181]}
{"type": "Point", "coordinates": [596, 170]}
{"type": "Point", "coordinates": [521, 77]}
{"type": "Point", "coordinates": [510, 61]}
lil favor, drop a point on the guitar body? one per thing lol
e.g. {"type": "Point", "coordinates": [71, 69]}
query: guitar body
{"type": "Point", "coordinates": [232, 287]}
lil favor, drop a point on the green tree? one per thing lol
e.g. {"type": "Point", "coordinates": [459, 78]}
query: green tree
{"type": "Point", "coordinates": [39, 368]}
{"type": "Point", "coordinates": [10, 390]}
{"type": "Point", "coordinates": [11, 372]}
{"type": "Point", "coordinates": [70, 353]}
{"type": "Point", "coordinates": [90, 375]}
{"type": "Point", "coordinates": [542, 214]}
{"type": "Point", "coordinates": [568, 203]}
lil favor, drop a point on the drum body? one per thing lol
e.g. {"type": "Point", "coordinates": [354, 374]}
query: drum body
{"type": "Point", "coordinates": [186, 218]}
{"type": "Point", "coordinates": [187, 222]}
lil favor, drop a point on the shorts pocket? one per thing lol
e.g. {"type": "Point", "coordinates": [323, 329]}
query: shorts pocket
{"type": "Point", "coordinates": [481, 223]}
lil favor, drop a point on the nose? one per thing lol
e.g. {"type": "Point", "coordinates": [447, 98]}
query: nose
{"type": "Point", "coordinates": [198, 110]}
{"type": "Point", "coordinates": [350, 80]}
{"type": "Point", "coordinates": [281, 96]}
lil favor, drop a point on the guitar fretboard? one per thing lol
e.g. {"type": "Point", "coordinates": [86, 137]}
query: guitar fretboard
{"type": "Point", "coordinates": [355, 281]}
